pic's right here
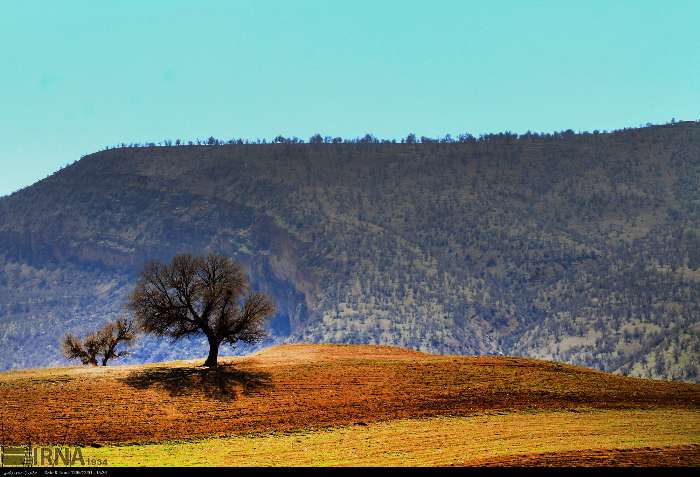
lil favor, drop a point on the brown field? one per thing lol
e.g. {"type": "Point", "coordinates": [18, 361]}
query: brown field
{"type": "Point", "coordinates": [307, 387]}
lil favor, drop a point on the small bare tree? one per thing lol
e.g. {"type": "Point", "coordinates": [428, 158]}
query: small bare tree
{"type": "Point", "coordinates": [85, 350]}
{"type": "Point", "coordinates": [200, 295]}
{"type": "Point", "coordinates": [103, 342]}
{"type": "Point", "coordinates": [121, 331]}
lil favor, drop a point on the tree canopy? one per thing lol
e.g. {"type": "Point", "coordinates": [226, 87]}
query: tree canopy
{"type": "Point", "coordinates": [200, 295]}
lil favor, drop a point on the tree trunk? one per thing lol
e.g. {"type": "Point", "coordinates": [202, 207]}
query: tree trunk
{"type": "Point", "coordinates": [213, 355]}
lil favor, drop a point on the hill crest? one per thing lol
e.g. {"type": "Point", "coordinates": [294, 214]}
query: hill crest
{"type": "Point", "coordinates": [296, 387]}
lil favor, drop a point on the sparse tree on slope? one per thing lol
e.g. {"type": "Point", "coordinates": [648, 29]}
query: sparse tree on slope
{"type": "Point", "coordinates": [200, 295]}
{"type": "Point", "coordinates": [85, 350]}
{"type": "Point", "coordinates": [116, 332]}
{"type": "Point", "coordinates": [103, 342]}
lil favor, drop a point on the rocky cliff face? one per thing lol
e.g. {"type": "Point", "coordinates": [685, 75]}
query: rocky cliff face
{"type": "Point", "coordinates": [581, 248]}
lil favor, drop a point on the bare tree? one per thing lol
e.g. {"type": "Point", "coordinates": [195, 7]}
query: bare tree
{"type": "Point", "coordinates": [85, 350]}
{"type": "Point", "coordinates": [121, 331]}
{"type": "Point", "coordinates": [104, 342]}
{"type": "Point", "coordinates": [208, 295]}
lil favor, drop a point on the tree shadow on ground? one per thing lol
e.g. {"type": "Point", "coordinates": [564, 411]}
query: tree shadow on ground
{"type": "Point", "coordinates": [223, 382]}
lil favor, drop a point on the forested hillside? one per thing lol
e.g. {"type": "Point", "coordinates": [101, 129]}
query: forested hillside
{"type": "Point", "coordinates": [583, 248]}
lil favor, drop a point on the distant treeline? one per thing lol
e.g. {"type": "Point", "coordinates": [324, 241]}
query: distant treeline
{"type": "Point", "coordinates": [371, 139]}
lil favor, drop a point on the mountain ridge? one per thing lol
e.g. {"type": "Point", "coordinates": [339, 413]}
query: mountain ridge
{"type": "Point", "coordinates": [531, 245]}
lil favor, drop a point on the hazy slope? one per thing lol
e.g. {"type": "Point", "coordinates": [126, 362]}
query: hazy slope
{"type": "Point", "coordinates": [582, 248]}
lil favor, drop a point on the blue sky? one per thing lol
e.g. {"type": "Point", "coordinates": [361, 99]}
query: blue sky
{"type": "Point", "coordinates": [76, 76]}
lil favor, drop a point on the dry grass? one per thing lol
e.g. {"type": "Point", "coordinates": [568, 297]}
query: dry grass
{"type": "Point", "coordinates": [302, 387]}
{"type": "Point", "coordinates": [657, 437]}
